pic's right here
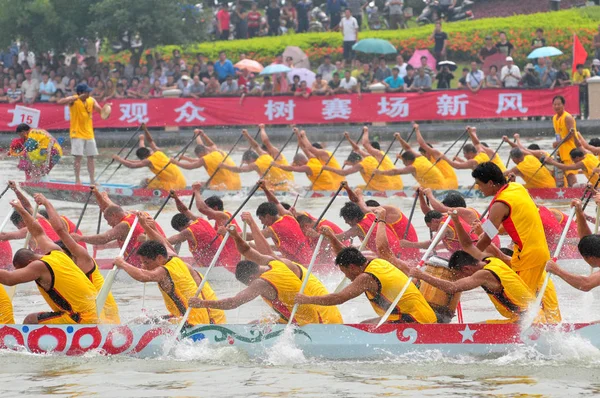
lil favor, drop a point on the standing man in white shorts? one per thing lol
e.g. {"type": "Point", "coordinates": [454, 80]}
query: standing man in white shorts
{"type": "Point", "coordinates": [81, 108]}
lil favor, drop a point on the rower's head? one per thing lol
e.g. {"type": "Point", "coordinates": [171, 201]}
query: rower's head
{"type": "Point", "coordinates": [577, 155]}
{"type": "Point", "coordinates": [285, 205]}
{"type": "Point", "coordinates": [247, 271]}
{"type": "Point", "coordinates": [23, 130]}
{"type": "Point", "coordinates": [353, 159]}
{"type": "Point", "coordinates": [517, 155]}
{"type": "Point", "coordinates": [558, 103]}
{"type": "Point", "coordinates": [433, 219]}
{"type": "Point", "coordinates": [143, 153]}
{"type": "Point", "coordinates": [376, 145]}
{"type": "Point", "coordinates": [454, 199]}
{"type": "Point", "coordinates": [351, 262]}
{"type": "Point", "coordinates": [422, 150]}
{"type": "Point", "coordinates": [17, 220]}
{"type": "Point", "coordinates": [300, 159]}
{"type": "Point", "coordinates": [351, 213]}
{"type": "Point", "coordinates": [305, 221]}
{"type": "Point", "coordinates": [489, 177]}
{"type": "Point", "coordinates": [317, 145]}
{"type": "Point", "coordinates": [114, 214]}
{"type": "Point", "coordinates": [249, 157]}
{"type": "Point", "coordinates": [408, 158]}
{"type": "Point", "coordinates": [372, 203]}
{"type": "Point", "coordinates": [534, 147]}
{"type": "Point", "coordinates": [595, 142]}
{"type": "Point", "coordinates": [267, 213]}
{"type": "Point", "coordinates": [153, 254]}
{"type": "Point", "coordinates": [589, 248]}
{"type": "Point", "coordinates": [180, 222]}
{"type": "Point", "coordinates": [214, 202]}
{"type": "Point", "coordinates": [23, 257]}
{"type": "Point", "coordinates": [201, 151]}
{"type": "Point", "coordinates": [469, 151]}
{"type": "Point", "coordinates": [463, 264]}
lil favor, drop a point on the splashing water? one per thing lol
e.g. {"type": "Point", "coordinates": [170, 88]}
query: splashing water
{"type": "Point", "coordinates": [285, 351]}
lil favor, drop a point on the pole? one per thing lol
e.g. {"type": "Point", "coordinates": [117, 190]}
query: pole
{"type": "Point", "coordinates": [326, 163]}
{"type": "Point", "coordinates": [3, 192]}
{"type": "Point", "coordinates": [493, 156]}
{"type": "Point", "coordinates": [118, 166]}
{"type": "Point", "coordinates": [120, 151]}
{"type": "Point", "coordinates": [446, 152]}
{"type": "Point", "coordinates": [179, 155]}
{"type": "Point", "coordinates": [407, 140]}
{"type": "Point", "coordinates": [85, 205]}
{"type": "Point", "coordinates": [412, 212]}
{"type": "Point", "coordinates": [379, 164]}
{"type": "Point", "coordinates": [362, 246]}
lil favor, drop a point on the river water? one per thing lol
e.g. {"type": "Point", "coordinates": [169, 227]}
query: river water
{"type": "Point", "coordinates": [570, 369]}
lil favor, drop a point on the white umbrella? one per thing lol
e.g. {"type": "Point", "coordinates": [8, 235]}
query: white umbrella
{"type": "Point", "coordinates": [303, 73]}
{"type": "Point", "coordinates": [299, 57]}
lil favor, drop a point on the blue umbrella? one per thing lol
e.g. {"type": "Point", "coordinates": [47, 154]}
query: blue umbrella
{"type": "Point", "coordinates": [275, 68]}
{"type": "Point", "coordinates": [375, 46]}
{"type": "Point", "coordinates": [543, 52]}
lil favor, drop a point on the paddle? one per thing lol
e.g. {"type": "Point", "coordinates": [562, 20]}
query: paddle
{"type": "Point", "coordinates": [85, 205]}
{"type": "Point", "coordinates": [543, 161]}
{"type": "Point", "coordinates": [178, 155]}
{"type": "Point", "coordinates": [433, 244]}
{"type": "Point", "coordinates": [160, 209]}
{"type": "Point", "coordinates": [120, 152]}
{"type": "Point", "coordinates": [402, 150]}
{"type": "Point", "coordinates": [3, 192]}
{"type": "Point", "coordinates": [326, 163]}
{"type": "Point", "coordinates": [379, 164]}
{"type": "Point", "coordinates": [412, 212]}
{"type": "Point", "coordinates": [305, 281]}
{"type": "Point", "coordinates": [596, 224]}
{"type": "Point", "coordinates": [110, 278]}
{"type": "Point", "coordinates": [119, 165]}
{"type": "Point", "coordinates": [508, 160]}
{"type": "Point", "coordinates": [13, 289]}
{"type": "Point", "coordinates": [216, 170]}
{"type": "Point", "coordinates": [362, 246]}
{"type": "Point", "coordinates": [446, 152]}
{"type": "Point", "coordinates": [493, 156]}
{"type": "Point", "coordinates": [204, 280]}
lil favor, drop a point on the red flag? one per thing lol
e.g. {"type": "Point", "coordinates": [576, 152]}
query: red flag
{"type": "Point", "coordinates": [579, 53]}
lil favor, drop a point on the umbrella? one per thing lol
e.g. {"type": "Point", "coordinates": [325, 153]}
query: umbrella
{"type": "Point", "coordinates": [375, 46]}
{"type": "Point", "coordinates": [543, 52]}
{"type": "Point", "coordinates": [250, 65]}
{"type": "Point", "coordinates": [303, 74]}
{"type": "Point", "coordinates": [415, 60]}
{"type": "Point", "coordinates": [498, 59]}
{"type": "Point", "coordinates": [451, 65]}
{"type": "Point", "coordinates": [275, 68]}
{"type": "Point", "coordinates": [299, 57]}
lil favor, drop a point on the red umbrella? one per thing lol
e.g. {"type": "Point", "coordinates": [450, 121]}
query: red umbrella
{"type": "Point", "coordinates": [497, 59]}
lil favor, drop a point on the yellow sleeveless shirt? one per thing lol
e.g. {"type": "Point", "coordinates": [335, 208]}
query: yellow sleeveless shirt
{"type": "Point", "coordinates": [387, 164]}
{"type": "Point", "coordinates": [450, 178]}
{"type": "Point", "coordinates": [561, 131]}
{"type": "Point", "coordinates": [379, 182]}
{"type": "Point", "coordinates": [333, 163]}
{"type": "Point", "coordinates": [287, 284]}
{"type": "Point", "coordinates": [533, 178]}
{"type": "Point", "coordinates": [498, 162]}
{"type": "Point", "coordinates": [276, 178]}
{"type": "Point", "coordinates": [412, 307]}
{"type": "Point", "coordinates": [326, 181]}
{"type": "Point", "coordinates": [481, 157]}
{"type": "Point", "coordinates": [591, 162]}
{"type": "Point", "coordinates": [71, 292]}
{"type": "Point", "coordinates": [6, 308]}
{"type": "Point", "coordinates": [81, 119]}
{"type": "Point", "coordinates": [169, 178]}
{"type": "Point", "coordinates": [224, 179]}
{"type": "Point", "coordinates": [283, 161]}
{"type": "Point", "coordinates": [110, 312]}
{"type": "Point", "coordinates": [184, 287]}
{"type": "Point", "coordinates": [426, 175]}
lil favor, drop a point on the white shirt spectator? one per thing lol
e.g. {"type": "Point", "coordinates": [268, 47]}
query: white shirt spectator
{"type": "Point", "coordinates": [326, 71]}
{"type": "Point", "coordinates": [474, 79]}
{"type": "Point", "coordinates": [348, 84]}
{"type": "Point", "coordinates": [349, 27]}
{"type": "Point", "coordinates": [29, 57]}
{"type": "Point", "coordinates": [48, 88]}
{"type": "Point", "coordinates": [30, 89]}
{"type": "Point", "coordinates": [227, 88]}
{"type": "Point", "coordinates": [510, 76]}
{"type": "Point", "coordinates": [402, 69]}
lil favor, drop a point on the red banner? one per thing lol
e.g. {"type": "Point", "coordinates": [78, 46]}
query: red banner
{"type": "Point", "coordinates": [223, 111]}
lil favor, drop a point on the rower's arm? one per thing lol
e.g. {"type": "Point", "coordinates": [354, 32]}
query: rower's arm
{"type": "Point", "coordinates": [464, 239]}
{"type": "Point", "coordinates": [423, 144]}
{"type": "Point", "coordinates": [256, 288]}
{"type": "Point", "coordinates": [133, 164]}
{"type": "Point", "coordinates": [180, 237]}
{"type": "Point", "coordinates": [207, 141]}
{"type": "Point", "coordinates": [13, 235]}
{"type": "Point", "coordinates": [253, 144]}
{"type": "Point", "coordinates": [415, 245]}
{"type": "Point", "coordinates": [593, 149]}
{"type": "Point", "coordinates": [335, 243]}
{"type": "Point", "coordinates": [469, 164]}
{"type": "Point", "coordinates": [296, 169]}
{"type": "Point", "coordinates": [580, 282]}
{"type": "Point", "coordinates": [149, 138]}
{"type": "Point", "coordinates": [273, 199]}
{"type": "Point", "coordinates": [182, 208]}
{"type": "Point", "coordinates": [395, 172]}
{"type": "Point", "coordinates": [344, 172]}
{"type": "Point", "coordinates": [188, 165]}
{"type": "Point", "coordinates": [562, 166]}
{"type": "Point", "coordinates": [425, 207]}
{"type": "Point", "coordinates": [461, 285]}
{"type": "Point", "coordinates": [118, 232]}
{"type": "Point", "coordinates": [22, 275]}
{"type": "Point", "coordinates": [361, 284]}
{"type": "Point", "coordinates": [383, 248]}
{"type": "Point", "coordinates": [355, 147]}
{"type": "Point", "coordinates": [45, 244]}
{"type": "Point", "coordinates": [158, 274]}
{"type": "Point", "coordinates": [583, 228]}
{"type": "Point", "coordinates": [240, 169]}
{"type": "Point", "coordinates": [149, 225]}
{"type": "Point", "coordinates": [271, 150]}
{"type": "Point", "coordinates": [366, 143]}
{"type": "Point", "coordinates": [498, 212]}
{"type": "Point", "coordinates": [263, 253]}
{"type": "Point", "coordinates": [349, 234]}
{"type": "Point", "coordinates": [22, 198]}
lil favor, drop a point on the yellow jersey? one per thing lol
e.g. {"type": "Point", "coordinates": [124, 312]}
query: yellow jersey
{"type": "Point", "coordinates": [224, 179]}
{"type": "Point", "coordinates": [379, 182]}
{"type": "Point", "coordinates": [6, 308]}
{"type": "Point", "coordinates": [412, 307]}
{"type": "Point", "coordinates": [81, 113]}
{"type": "Point", "coordinates": [481, 157]}
{"type": "Point", "coordinates": [276, 178]}
{"type": "Point", "coordinates": [387, 164]}
{"type": "Point", "coordinates": [110, 312]}
{"type": "Point", "coordinates": [183, 286]}
{"type": "Point", "coordinates": [427, 175]}
{"type": "Point", "coordinates": [498, 162]}
{"type": "Point", "coordinates": [450, 178]}
{"type": "Point", "coordinates": [325, 181]}
{"type": "Point", "coordinates": [169, 178]}
{"type": "Point", "coordinates": [591, 162]}
{"type": "Point", "coordinates": [287, 284]}
{"type": "Point", "coordinates": [283, 161]}
{"type": "Point", "coordinates": [333, 163]}
{"type": "Point", "coordinates": [533, 178]}
{"type": "Point", "coordinates": [561, 131]}
{"type": "Point", "coordinates": [71, 292]}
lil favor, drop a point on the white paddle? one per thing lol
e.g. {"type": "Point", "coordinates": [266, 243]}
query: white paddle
{"type": "Point", "coordinates": [110, 278]}
{"type": "Point", "coordinates": [305, 281]}
{"type": "Point", "coordinates": [363, 244]}
{"type": "Point", "coordinates": [204, 280]}
{"type": "Point", "coordinates": [433, 244]}
{"type": "Point", "coordinates": [13, 289]}
{"type": "Point", "coordinates": [595, 225]}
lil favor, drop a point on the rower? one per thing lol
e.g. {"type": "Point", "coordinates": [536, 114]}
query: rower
{"type": "Point", "coordinates": [373, 148]}
{"type": "Point", "coordinates": [80, 256]}
{"type": "Point", "coordinates": [276, 280]}
{"type": "Point", "coordinates": [366, 167]}
{"type": "Point", "coordinates": [432, 154]}
{"type": "Point", "coordinates": [565, 129]}
{"type": "Point", "coordinates": [453, 201]}
{"type": "Point", "coordinates": [473, 157]}
{"type": "Point", "coordinates": [474, 268]}
{"type": "Point", "coordinates": [316, 150]}
{"type": "Point", "coordinates": [66, 289]}
{"type": "Point", "coordinates": [165, 178]}
{"type": "Point", "coordinates": [276, 178]}
{"type": "Point", "coordinates": [313, 168]}
{"type": "Point", "coordinates": [426, 174]}
{"type": "Point", "coordinates": [176, 280]}
{"type": "Point", "coordinates": [381, 282]}
{"type": "Point", "coordinates": [210, 157]}
{"type": "Point", "coordinates": [580, 160]}
{"type": "Point", "coordinates": [267, 148]}
{"type": "Point", "coordinates": [589, 248]}
{"type": "Point", "coordinates": [514, 209]}
{"type": "Point", "coordinates": [306, 221]}
{"type": "Point", "coordinates": [482, 147]}
{"type": "Point", "coordinates": [529, 168]}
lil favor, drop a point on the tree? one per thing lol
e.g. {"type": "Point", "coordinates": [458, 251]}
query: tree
{"type": "Point", "coordinates": [155, 22]}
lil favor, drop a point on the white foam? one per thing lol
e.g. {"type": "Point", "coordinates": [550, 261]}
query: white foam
{"type": "Point", "coordinates": [285, 351]}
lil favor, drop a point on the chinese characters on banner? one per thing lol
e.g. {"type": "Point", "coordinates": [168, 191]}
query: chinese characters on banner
{"type": "Point", "coordinates": [223, 111]}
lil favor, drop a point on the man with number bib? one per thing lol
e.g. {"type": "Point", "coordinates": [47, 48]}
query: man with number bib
{"type": "Point", "coordinates": [565, 130]}
{"type": "Point", "coordinates": [513, 208]}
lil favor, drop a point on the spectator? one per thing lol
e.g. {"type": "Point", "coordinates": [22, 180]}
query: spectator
{"type": "Point", "coordinates": [273, 16]}
{"type": "Point", "coordinates": [504, 46]}
{"type": "Point", "coordinates": [295, 83]}
{"type": "Point", "coordinates": [47, 88]}
{"type": "Point", "coordinates": [155, 91]}
{"type": "Point", "coordinates": [422, 81]}
{"type": "Point", "coordinates": [444, 78]}
{"type": "Point", "coordinates": [563, 79]}
{"type": "Point", "coordinates": [338, 66]}
{"type": "Point", "coordinates": [158, 75]}
{"type": "Point", "coordinates": [544, 72]}
{"type": "Point", "coordinates": [396, 18]}
{"type": "Point", "coordinates": [254, 18]}
{"type": "Point", "coordinates": [145, 87]}
{"type": "Point", "coordinates": [492, 80]}
{"type": "Point", "coordinates": [99, 92]}
{"type": "Point", "coordinates": [229, 86]}
{"type": "Point", "coordinates": [440, 40]}
{"type": "Point", "coordinates": [348, 84]}
{"type": "Point", "coordinates": [185, 86]}
{"type": "Point", "coordinates": [267, 87]}
{"type": "Point", "coordinates": [241, 25]}
{"type": "Point", "coordinates": [401, 65]}
{"type": "Point", "coordinates": [210, 70]}
{"type": "Point", "coordinates": [530, 79]}
{"type": "Point", "coordinates": [3, 96]}
{"type": "Point", "coordinates": [319, 86]}
{"type": "Point", "coordinates": [365, 78]}
{"type": "Point", "coordinates": [446, 8]}
{"type": "Point", "coordinates": [289, 62]}
{"type": "Point", "coordinates": [538, 41]}
{"type": "Point", "coordinates": [110, 89]}
{"type": "Point", "coordinates": [333, 86]}
{"type": "Point", "coordinates": [475, 78]}
{"type": "Point", "coordinates": [58, 95]}
{"type": "Point", "coordinates": [213, 87]}
{"type": "Point", "coordinates": [326, 69]}
{"type": "Point", "coordinates": [288, 15]}
{"type": "Point", "coordinates": [510, 74]}
{"type": "Point", "coordinates": [14, 93]}
{"type": "Point", "coordinates": [303, 8]}
{"type": "Point", "coordinates": [357, 68]}
{"type": "Point", "coordinates": [121, 93]}
{"type": "Point", "coordinates": [334, 10]}
{"type": "Point", "coordinates": [580, 77]}
{"type": "Point", "coordinates": [171, 84]}
{"type": "Point", "coordinates": [382, 71]}
{"type": "Point", "coordinates": [595, 68]}
{"type": "Point", "coordinates": [349, 28]}
{"type": "Point", "coordinates": [410, 76]}
{"type": "Point", "coordinates": [58, 84]}
{"type": "Point", "coordinates": [395, 82]}
{"type": "Point", "coordinates": [134, 89]}
{"type": "Point", "coordinates": [243, 78]}
{"type": "Point", "coordinates": [224, 67]}
{"type": "Point", "coordinates": [487, 50]}
{"type": "Point", "coordinates": [251, 86]}
{"type": "Point", "coordinates": [30, 88]}
{"type": "Point", "coordinates": [426, 67]}
{"type": "Point", "coordinates": [281, 84]}
{"type": "Point", "coordinates": [597, 44]}
{"type": "Point", "coordinates": [302, 90]}
{"type": "Point", "coordinates": [36, 73]}
{"type": "Point", "coordinates": [223, 18]}
{"type": "Point", "coordinates": [356, 9]}
{"type": "Point", "coordinates": [197, 87]}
